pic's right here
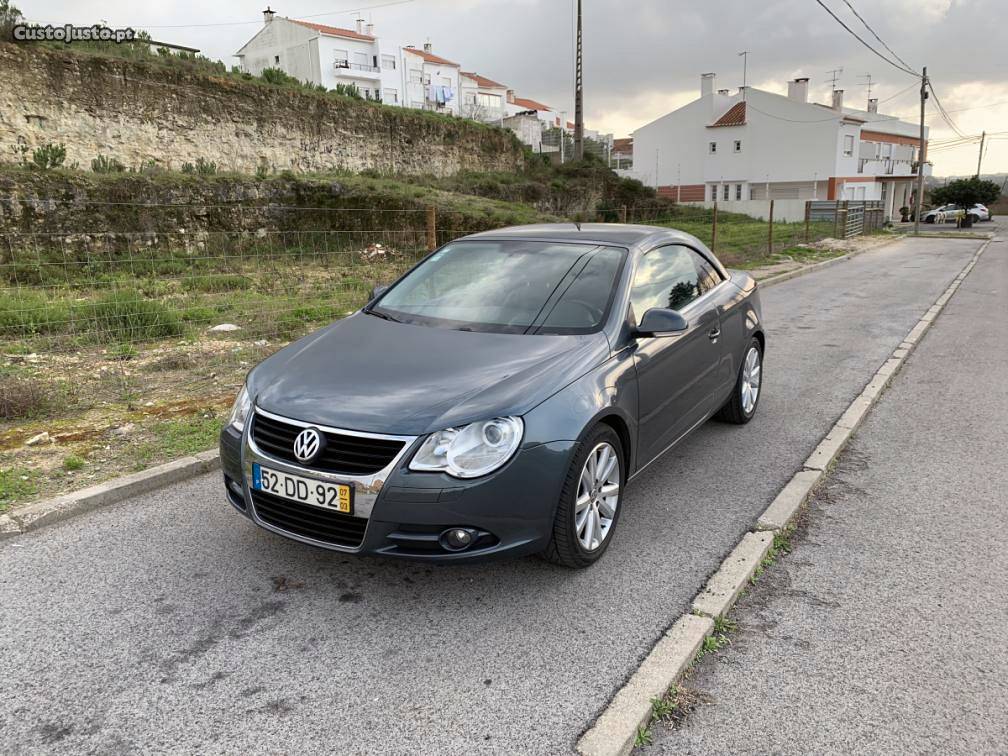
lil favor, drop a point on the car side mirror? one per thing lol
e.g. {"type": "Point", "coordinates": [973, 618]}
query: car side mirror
{"type": "Point", "coordinates": [377, 290]}
{"type": "Point", "coordinates": [659, 321]}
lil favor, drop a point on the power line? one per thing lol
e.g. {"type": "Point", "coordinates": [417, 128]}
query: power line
{"type": "Point", "coordinates": [902, 91]}
{"type": "Point", "coordinates": [853, 33]}
{"type": "Point", "coordinates": [941, 109]}
{"type": "Point", "coordinates": [854, 11]}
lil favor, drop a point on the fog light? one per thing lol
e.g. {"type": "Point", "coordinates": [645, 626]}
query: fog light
{"type": "Point", "coordinates": [456, 539]}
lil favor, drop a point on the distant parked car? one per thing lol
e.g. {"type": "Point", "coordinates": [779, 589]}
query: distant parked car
{"type": "Point", "coordinates": [951, 213]}
{"type": "Point", "coordinates": [498, 397]}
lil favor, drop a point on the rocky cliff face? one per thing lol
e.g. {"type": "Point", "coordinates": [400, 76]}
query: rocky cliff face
{"type": "Point", "coordinates": [139, 112]}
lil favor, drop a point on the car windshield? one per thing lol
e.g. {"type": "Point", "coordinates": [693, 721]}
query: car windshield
{"type": "Point", "coordinates": [508, 287]}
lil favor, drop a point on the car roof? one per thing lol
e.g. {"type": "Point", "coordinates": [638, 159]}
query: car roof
{"type": "Point", "coordinates": [622, 234]}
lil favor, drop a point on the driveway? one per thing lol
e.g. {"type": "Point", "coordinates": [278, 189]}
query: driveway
{"type": "Point", "coordinates": [171, 623]}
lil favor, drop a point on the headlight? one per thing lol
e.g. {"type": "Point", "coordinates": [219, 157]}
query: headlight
{"type": "Point", "coordinates": [240, 411]}
{"type": "Point", "coordinates": [473, 450]}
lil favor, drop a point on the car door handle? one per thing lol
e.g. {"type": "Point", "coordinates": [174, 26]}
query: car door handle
{"type": "Point", "coordinates": [713, 334]}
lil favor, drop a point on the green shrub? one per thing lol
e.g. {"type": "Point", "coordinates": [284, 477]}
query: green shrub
{"type": "Point", "coordinates": [102, 164]}
{"type": "Point", "coordinates": [348, 90]}
{"type": "Point", "coordinates": [215, 283]}
{"type": "Point", "coordinates": [278, 77]}
{"type": "Point", "coordinates": [201, 167]}
{"type": "Point", "coordinates": [22, 398]}
{"type": "Point", "coordinates": [73, 462]}
{"type": "Point", "coordinates": [123, 316]}
{"type": "Point", "coordinates": [49, 156]}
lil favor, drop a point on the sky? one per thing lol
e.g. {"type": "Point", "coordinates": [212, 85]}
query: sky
{"type": "Point", "coordinates": [643, 58]}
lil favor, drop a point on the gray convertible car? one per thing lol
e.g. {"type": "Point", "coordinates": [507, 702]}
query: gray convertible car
{"type": "Point", "coordinates": [497, 398]}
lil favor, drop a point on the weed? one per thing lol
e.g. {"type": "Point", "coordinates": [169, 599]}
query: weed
{"type": "Point", "coordinates": [201, 167]}
{"type": "Point", "coordinates": [662, 708]}
{"type": "Point", "coordinates": [121, 352]}
{"type": "Point", "coordinates": [49, 156]}
{"type": "Point", "coordinates": [215, 283]}
{"type": "Point", "coordinates": [123, 317]}
{"type": "Point", "coordinates": [643, 737]}
{"type": "Point", "coordinates": [179, 437]}
{"type": "Point", "coordinates": [723, 625]}
{"type": "Point", "coordinates": [16, 484]}
{"type": "Point", "coordinates": [102, 164]}
{"type": "Point", "coordinates": [73, 462]}
{"type": "Point", "coordinates": [22, 398]}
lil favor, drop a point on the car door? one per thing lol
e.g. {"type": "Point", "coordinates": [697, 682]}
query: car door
{"type": "Point", "coordinates": [677, 375]}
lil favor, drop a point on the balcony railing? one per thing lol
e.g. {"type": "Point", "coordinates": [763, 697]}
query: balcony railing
{"type": "Point", "coordinates": [885, 167]}
{"type": "Point", "coordinates": [347, 65]}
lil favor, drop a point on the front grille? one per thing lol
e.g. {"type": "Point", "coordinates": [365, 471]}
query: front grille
{"type": "Point", "coordinates": [308, 521]}
{"type": "Point", "coordinates": [350, 455]}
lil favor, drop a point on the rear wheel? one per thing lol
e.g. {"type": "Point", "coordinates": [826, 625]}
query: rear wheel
{"type": "Point", "coordinates": [748, 387]}
{"type": "Point", "coordinates": [589, 505]}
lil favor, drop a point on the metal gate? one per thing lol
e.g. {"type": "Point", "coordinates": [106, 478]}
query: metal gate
{"type": "Point", "coordinates": [853, 221]}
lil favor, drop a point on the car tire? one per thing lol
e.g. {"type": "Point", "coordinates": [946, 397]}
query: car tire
{"type": "Point", "coordinates": [929, 219]}
{"type": "Point", "coordinates": [974, 218]}
{"type": "Point", "coordinates": [741, 407]}
{"type": "Point", "coordinates": [567, 541]}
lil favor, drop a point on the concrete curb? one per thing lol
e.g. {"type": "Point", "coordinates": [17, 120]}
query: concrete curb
{"type": "Point", "coordinates": [615, 731]}
{"type": "Point", "coordinates": [724, 587]}
{"type": "Point", "coordinates": [607, 736]}
{"type": "Point", "coordinates": [49, 511]}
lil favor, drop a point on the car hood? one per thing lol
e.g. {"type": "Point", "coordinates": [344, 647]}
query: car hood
{"type": "Point", "coordinates": [368, 374]}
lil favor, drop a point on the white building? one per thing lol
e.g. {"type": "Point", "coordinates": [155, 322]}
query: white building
{"type": "Point", "coordinates": [381, 69]}
{"type": "Point", "coordinates": [756, 145]}
{"type": "Point", "coordinates": [482, 99]}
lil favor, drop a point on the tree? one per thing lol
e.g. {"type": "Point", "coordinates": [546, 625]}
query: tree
{"type": "Point", "coordinates": [9, 17]}
{"type": "Point", "coordinates": [965, 193]}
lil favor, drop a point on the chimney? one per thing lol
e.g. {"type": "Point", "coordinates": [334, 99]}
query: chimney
{"type": "Point", "coordinates": [428, 47]}
{"type": "Point", "coordinates": [837, 99]}
{"type": "Point", "coordinates": [510, 96]}
{"type": "Point", "coordinates": [369, 30]}
{"type": "Point", "coordinates": [268, 14]}
{"type": "Point", "coordinates": [360, 25]}
{"type": "Point", "coordinates": [706, 84]}
{"type": "Point", "coordinates": [873, 105]}
{"type": "Point", "coordinates": [797, 90]}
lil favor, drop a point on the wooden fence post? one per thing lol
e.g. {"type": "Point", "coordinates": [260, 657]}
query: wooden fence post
{"type": "Point", "coordinates": [713, 236]}
{"type": "Point", "coordinates": [836, 218]}
{"type": "Point", "coordinates": [808, 218]}
{"type": "Point", "coordinates": [770, 231]}
{"type": "Point", "coordinates": [622, 214]}
{"type": "Point", "coordinates": [431, 228]}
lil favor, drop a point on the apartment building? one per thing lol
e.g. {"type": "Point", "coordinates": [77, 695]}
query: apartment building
{"type": "Point", "coordinates": [483, 99]}
{"type": "Point", "coordinates": [758, 145]}
{"type": "Point", "coordinates": [380, 68]}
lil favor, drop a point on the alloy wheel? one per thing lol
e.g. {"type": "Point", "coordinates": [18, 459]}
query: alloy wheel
{"type": "Point", "coordinates": [751, 372]}
{"type": "Point", "coordinates": [597, 496]}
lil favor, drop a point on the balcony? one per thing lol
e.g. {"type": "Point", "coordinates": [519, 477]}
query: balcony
{"type": "Point", "coordinates": [356, 70]}
{"type": "Point", "coordinates": [885, 167]}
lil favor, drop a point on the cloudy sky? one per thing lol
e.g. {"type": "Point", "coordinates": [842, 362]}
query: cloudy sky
{"type": "Point", "coordinates": [644, 57]}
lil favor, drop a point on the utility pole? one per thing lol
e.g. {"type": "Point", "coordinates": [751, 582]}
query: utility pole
{"type": "Point", "coordinates": [921, 154]}
{"type": "Point", "coordinates": [983, 136]}
{"type": "Point", "coordinates": [578, 96]}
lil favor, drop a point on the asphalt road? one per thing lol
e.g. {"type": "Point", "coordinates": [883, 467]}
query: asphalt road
{"type": "Point", "coordinates": [171, 623]}
{"type": "Point", "coordinates": [884, 630]}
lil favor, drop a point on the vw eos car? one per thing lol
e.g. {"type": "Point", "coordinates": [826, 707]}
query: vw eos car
{"type": "Point", "coordinates": [498, 397]}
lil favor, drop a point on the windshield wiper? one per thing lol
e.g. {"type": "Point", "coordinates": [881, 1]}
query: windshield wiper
{"type": "Point", "coordinates": [382, 315]}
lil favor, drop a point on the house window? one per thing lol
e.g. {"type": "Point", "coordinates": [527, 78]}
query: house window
{"type": "Point", "coordinates": [712, 148]}
{"type": "Point", "coordinates": [738, 191]}
{"type": "Point", "coordinates": [388, 61]}
{"type": "Point", "coordinates": [713, 192]}
{"type": "Point", "coordinates": [848, 145]}
{"type": "Point", "coordinates": [490, 101]}
{"type": "Point", "coordinates": [738, 145]}
{"type": "Point", "coordinates": [391, 96]}
{"type": "Point", "coordinates": [361, 59]}
{"type": "Point", "coordinates": [276, 58]}
{"type": "Point", "coordinates": [727, 187]}
{"type": "Point", "coordinates": [341, 57]}
{"type": "Point", "coordinates": [886, 151]}
{"type": "Point", "coordinates": [415, 76]}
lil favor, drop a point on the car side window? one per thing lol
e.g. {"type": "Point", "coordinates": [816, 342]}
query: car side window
{"type": "Point", "coordinates": [709, 275]}
{"type": "Point", "coordinates": [666, 277]}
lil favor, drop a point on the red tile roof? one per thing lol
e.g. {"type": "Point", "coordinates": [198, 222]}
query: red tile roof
{"type": "Point", "coordinates": [483, 81]}
{"type": "Point", "coordinates": [431, 57]}
{"type": "Point", "coordinates": [623, 145]}
{"type": "Point", "coordinates": [524, 102]}
{"type": "Point", "coordinates": [734, 116]}
{"type": "Point", "coordinates": [335, 31]}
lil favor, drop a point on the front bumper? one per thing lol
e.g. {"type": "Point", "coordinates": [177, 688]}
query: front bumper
{"type": "Point", "coordinates": [510, 511]}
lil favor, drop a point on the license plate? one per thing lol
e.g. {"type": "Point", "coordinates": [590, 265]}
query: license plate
{"type": "Point", "coordinates": [335, 496]}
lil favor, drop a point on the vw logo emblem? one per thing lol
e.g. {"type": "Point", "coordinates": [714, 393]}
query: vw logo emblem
{"type": "Point", "coordinates": [307, 445]}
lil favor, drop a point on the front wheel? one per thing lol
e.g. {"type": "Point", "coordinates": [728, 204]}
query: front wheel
{"type": "Point", "coordinates": [589, 505]}
{"type": "Point", "coordinates": [741, 407]}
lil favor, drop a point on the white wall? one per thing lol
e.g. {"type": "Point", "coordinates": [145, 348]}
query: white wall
{"type": "Point", "coordinates": [291, 43]}
{"type": "Point", "coordinates": [790, 211]}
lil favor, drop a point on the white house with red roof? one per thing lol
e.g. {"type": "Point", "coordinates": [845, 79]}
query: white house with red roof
{"type": "Point", "coordinates": [483, 99]}
{"type": "Point", "coordinates": [380, 68]}
{"type": "Point", "coordinates": [758, 145]}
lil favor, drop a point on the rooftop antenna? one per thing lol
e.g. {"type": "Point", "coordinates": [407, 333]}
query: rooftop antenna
{"type": "Point", "coordinates": [745, 72]}
{"type": "Point", "coordinates": [835, 76]}
{"type": "Point", "coordinates": [867, 78]}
